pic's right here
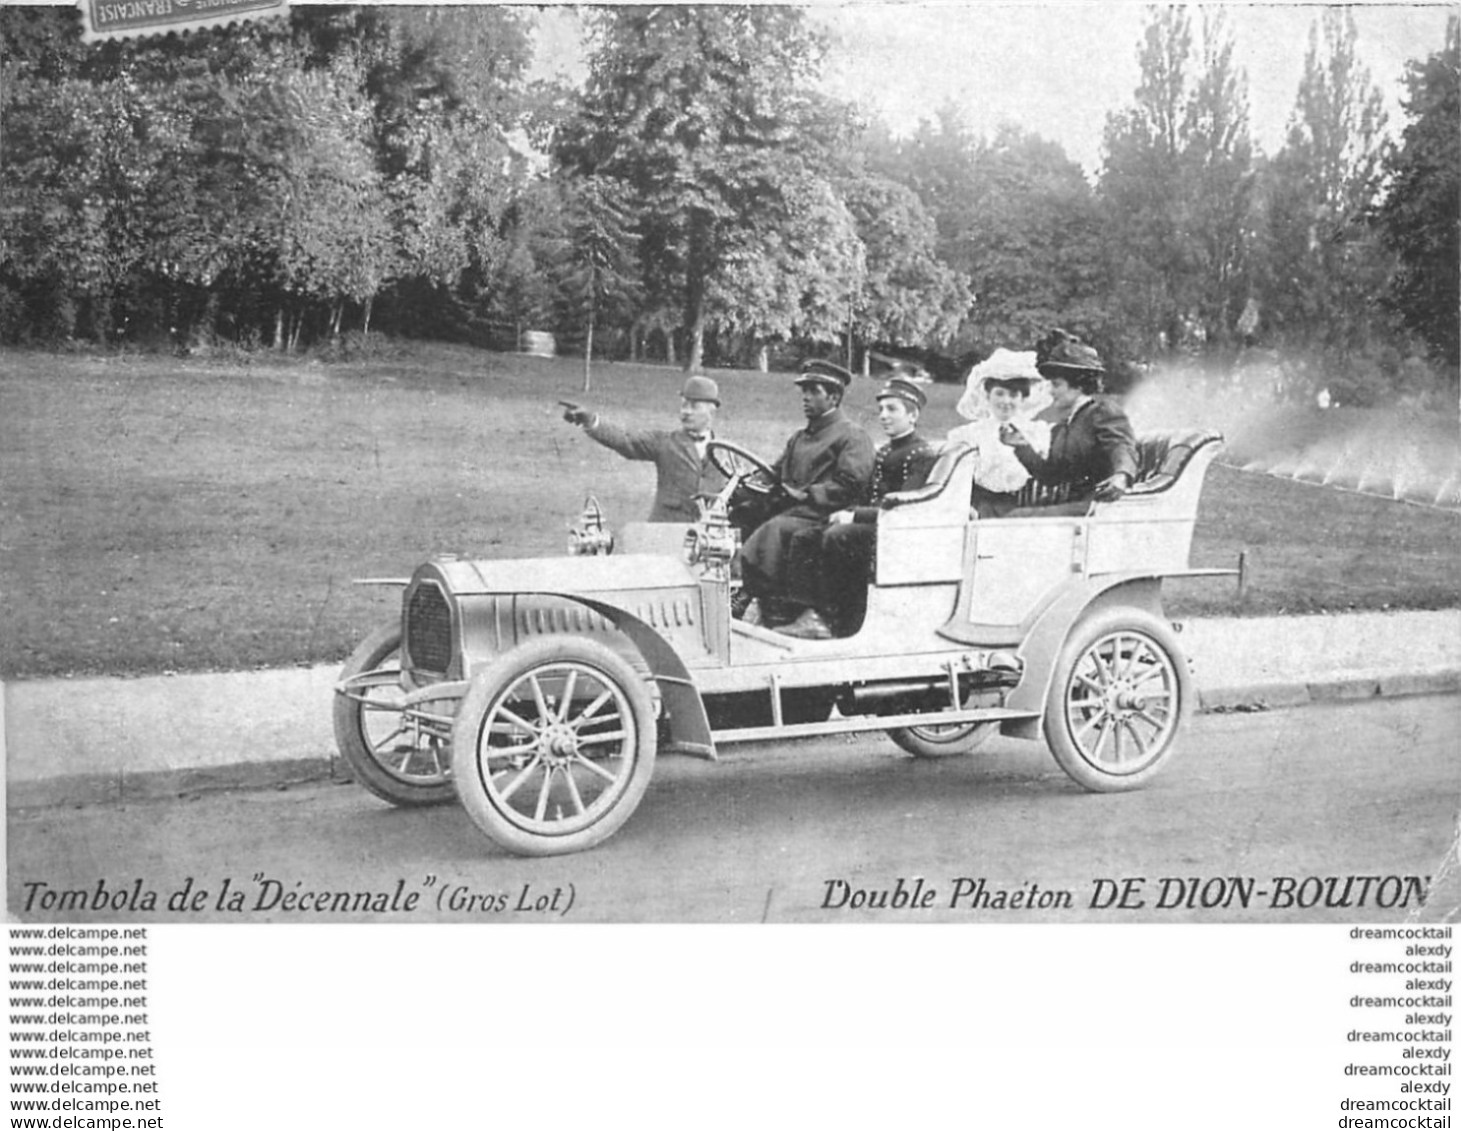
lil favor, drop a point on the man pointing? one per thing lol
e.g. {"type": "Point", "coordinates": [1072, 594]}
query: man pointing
{"type": "Point", "coordinates": [679, 457]}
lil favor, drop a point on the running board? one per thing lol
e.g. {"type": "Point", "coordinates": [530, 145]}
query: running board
{"type": "Point", "coordinates": [873, 722]}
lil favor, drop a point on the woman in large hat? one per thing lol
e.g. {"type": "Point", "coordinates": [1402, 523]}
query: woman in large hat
{"type": "Point", "coordinates": [1092, 452]}
{"type": "Point", "coordinates": [1005, 388]}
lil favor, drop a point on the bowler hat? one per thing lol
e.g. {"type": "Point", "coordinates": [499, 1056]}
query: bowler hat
{"type": "Point", "coordinates": [1061, 351]}
{"type": "Point", "coordinates": [901, 389]}
{"type": "Point", "coordinates": [829, 373]}
{"type": "Point", "coordinates": [701, 389]}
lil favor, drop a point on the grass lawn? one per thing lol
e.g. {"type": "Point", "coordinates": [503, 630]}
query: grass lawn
{"type": "Point", "coordinates": [171, 515]}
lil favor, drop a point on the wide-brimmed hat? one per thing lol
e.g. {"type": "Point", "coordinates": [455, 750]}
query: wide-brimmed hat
{"type": "Point", "coordinates": [701, 389]}
{"type": "Point", "coordinates": [1004, 367]}
{"type": "Point", "coordinates": [902, 389]}
{"type": "Point", "coordinates": [1061, 352]}
{"type": "Point", "coordinates": [828, 373]}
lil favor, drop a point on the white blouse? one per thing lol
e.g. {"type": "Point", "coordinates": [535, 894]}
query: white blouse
{"type": "Point", "coordinates": [998, 468]}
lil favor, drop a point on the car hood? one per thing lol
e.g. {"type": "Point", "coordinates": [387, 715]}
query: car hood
{"type": "Point", "coordinates": [590, 574]}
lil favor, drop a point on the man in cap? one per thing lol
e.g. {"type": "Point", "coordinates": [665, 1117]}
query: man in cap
{"type": "Point", "coordinates": [833, 563]}
{"type": "Point", "coordinates": [1092, 444]}
{"type": "Point", "coordinates": [825, 466]}
{"type": "Point", "coordinates": [678, 456]}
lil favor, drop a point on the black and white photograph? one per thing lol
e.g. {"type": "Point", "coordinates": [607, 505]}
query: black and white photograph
{"type": "Point", "coordinates": [943, 468]}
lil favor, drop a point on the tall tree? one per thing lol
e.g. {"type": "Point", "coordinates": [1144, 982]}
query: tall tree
{"type": "Point", "coordinates": [1176, 186]}
{"type": "Point", "coordinates": [709, 115]}
{"type": "Point", "coordinates": [1326, 266]}
{"type": "Point", "coordinates": [1420, 218]}
{"type": "Point", "coordinates": [796, 277]}
{"type": "Point", "coordinates": [1031, 245]}
{"type": "Point", "coordinates": [911, 296]}
{"type": "Point", "coordinates": [1217, 182]}
{"type": "Point", "coordinates": [599, 269]}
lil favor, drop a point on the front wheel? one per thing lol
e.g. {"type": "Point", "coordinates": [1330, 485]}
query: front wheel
{"type": "Point", "coordinates": [1119, 694]}
{"type": "Point", "coordinates": [554, 746]}
{"type": "Point", "coordinates": [398, 754]}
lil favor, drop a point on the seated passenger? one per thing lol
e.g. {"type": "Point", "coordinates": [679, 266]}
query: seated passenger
{"type": "Point", "coordinates": [998, 392]}
{"type": "Point", "coordinates": [1092, 445]}
{"type": "Point", "coordinates": [826, 466]}
{"type": "Point", "coordinates": [832, 564]}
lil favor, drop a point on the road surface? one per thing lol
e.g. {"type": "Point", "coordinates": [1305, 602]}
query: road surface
{"type": "Point", "coordinates": [1327, 813]}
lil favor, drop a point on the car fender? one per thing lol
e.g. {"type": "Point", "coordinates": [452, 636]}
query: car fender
{"type": "Point", "coordinates": [684, 712]}
{"type": "Point", "coordinates": [1047, 636]}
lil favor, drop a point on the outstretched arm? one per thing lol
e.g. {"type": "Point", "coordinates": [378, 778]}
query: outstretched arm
{"type": "Point", "coordinates": [615, 437]}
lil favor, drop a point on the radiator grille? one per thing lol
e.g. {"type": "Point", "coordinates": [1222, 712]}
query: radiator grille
{"type": "Point", "coordinates": [428, 630]}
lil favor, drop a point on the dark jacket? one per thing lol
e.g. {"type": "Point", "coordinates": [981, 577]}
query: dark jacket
{"type": "Point", "coordinates": [1094, 444]}
{"type": "Point", "coordinates": [832, 459]}
{"type": "Point", "coordinates": [682, 473]}
{"type": "Point", "coordinates": [899, 465]}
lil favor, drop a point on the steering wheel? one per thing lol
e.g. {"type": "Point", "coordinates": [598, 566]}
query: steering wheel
{"type": "Point", "coordinates": [742, 468]}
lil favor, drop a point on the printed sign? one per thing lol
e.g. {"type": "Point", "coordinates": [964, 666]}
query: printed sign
{"type": "Point", "coordinates": [122, 19]}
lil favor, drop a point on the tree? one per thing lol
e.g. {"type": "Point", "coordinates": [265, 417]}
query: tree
{"type": "Point", "coordinates": [1326, 268]}
{"type": "Point", "coordinates": [599, 266]}
{"type": "Point", "coordinates": [1420, 218]}
{"type": "Point", "coordinates": [707, 114]}
{"type": "Point", "coordinates": [229, 174]}
{"type": "Point", "coordinates": [1032, 242]}
{"type": "Point", "coordinates": [911, 296]}
{"type": "Point", "coordinates": [1176, 186]}
{"type": "Point", "coordinates": [1014, 233]}
{"type": "Point", "coordinates": [792, 276]}
{"type": "Point", "coordinates": [1217, 180]}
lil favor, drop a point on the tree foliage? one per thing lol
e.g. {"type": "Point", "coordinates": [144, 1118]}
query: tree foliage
{"type": "Point", "coordinates": [395, 167]}
{"type": "Point", "coordinates": [1176, 187]}
{"type": "Point", "coordinates": [1326, 268]}
{"type": "Point", "coordinates": [708, 116]}
{"type": "Point", "coordinates": [1420, 218]}
{"type": "Point", "coordinates": [597, 268]}
{"type": "Point", "coordinates": [257, 177]}
{"type": "Point", "coordinates": [911, 297]}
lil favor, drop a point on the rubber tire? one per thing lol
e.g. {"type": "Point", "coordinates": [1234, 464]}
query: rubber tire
{"type": "Point", "coordinates": [350, 740]}
{"type": "Point", "coordinates": [497, 677]}
{"type": "Point", "coordinates": [1087, 632]}
{"type": "Point", "coordinates": [963, 739]}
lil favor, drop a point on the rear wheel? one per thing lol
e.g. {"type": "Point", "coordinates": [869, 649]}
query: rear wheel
{"type": "Point", "coordinates": [399, 756]}
{"type": "Point", "coordinates": [554, 746]}
{"type": "Point", "coordinates": [943, 741]}
{"type": "Point", "coordinates": [1119, 695]}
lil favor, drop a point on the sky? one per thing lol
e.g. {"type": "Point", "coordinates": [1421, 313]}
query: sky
{"type": "Point", "coordinates": [1059, 69]}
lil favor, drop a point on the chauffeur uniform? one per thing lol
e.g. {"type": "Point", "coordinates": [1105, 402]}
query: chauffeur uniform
{"type": "Point", "coordinates": [832, 460]}
{"type": "Point", "coordinates": [832, 564]}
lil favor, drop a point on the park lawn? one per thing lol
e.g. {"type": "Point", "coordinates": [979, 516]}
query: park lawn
{"type": "Point", "coordinates": [163, 514]}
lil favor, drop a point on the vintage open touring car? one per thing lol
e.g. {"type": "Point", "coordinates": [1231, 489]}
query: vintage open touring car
{"type": "Point", "coordinates": [539, 691]}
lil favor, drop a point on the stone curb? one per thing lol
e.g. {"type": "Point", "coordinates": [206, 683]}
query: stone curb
{"type": "Point", "coordinates": [1280, 695]}
{"type": "Point", "coordinates": [157, 738]}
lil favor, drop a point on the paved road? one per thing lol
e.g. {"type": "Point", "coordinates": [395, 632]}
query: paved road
{"type": "Point", "coordinates": [1270, 810]}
